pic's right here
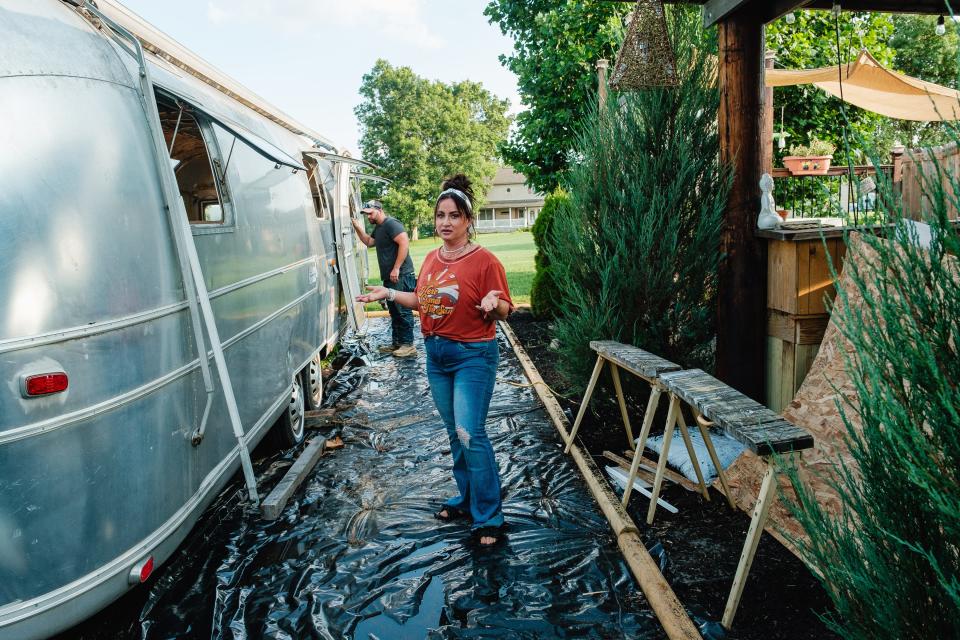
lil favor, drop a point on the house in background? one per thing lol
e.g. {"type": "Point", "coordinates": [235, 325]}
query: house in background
{"type": "Point", "coordinates": [510, 203]}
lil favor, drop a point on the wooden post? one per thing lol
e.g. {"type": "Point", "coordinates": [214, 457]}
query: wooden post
{"type": "Point", "coordinates": [768, 116]}
{"type": "Point", "coordinates": [741, 307]}
{"type": "Point", "coordinates": [602, 65]}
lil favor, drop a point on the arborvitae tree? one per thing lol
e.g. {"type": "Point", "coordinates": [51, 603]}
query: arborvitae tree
{"type": "Point", "coordinates": [544, 294]}
{"type": "Point", "coordinates": [636, 256]}
{"type": "Point", "coordinates": [891, 559]}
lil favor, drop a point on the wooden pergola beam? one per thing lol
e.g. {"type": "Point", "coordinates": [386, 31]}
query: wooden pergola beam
{"type": "Point", "coordinates": [765, 10]}
{"type": "Point", "coordinates": [929, 7]}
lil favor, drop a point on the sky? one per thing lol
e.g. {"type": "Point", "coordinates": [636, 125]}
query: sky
{"type": "Point", "coordinates": [308, 57]}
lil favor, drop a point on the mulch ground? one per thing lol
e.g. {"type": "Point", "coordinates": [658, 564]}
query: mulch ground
{"type": "Point", "coordinates": [701, 544]}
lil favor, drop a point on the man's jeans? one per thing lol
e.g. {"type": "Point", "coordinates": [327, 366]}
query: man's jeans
{"type": "Point", "coordinates": [462, 375]}
{"type": "Point", "coordinates": [401, 318]}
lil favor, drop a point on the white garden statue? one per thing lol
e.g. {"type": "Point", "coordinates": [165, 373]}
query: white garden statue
{"type": "Point", "coordinates": [768, 209]}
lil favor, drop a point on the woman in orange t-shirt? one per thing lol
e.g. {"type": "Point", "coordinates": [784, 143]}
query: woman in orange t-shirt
{"type": "Point", "coordinates": [461, 293]}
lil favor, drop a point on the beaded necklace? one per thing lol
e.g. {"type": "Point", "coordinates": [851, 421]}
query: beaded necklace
{"type": "Point", "coordinates": [454, 253]}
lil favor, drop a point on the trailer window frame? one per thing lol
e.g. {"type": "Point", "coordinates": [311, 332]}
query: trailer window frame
{"type": "Point", "coordinates": [193, 122]}
{"type": "Point", "coordinates": [319, 191]}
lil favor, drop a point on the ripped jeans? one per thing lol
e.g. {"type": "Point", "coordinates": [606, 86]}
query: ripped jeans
{"type": "Point", "coordinates": [462, 375]}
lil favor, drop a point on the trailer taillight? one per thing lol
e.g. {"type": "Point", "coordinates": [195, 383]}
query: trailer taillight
{"type": "Point", "coordinates": [141, 571]}
{"type": "Point", "coordinates": [44, 384]}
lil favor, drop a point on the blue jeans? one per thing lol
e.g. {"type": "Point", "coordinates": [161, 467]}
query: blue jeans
{"type": "Point", "coordinates": [462, 375]}
{"type": "Point", "coordinates": [401, 318]}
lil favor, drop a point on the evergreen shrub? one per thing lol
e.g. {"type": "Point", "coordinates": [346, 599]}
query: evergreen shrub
{"type": "Point", "coordinates": [638, 252]}
{"type": "Point", "coordinates": [544, 293]}
{"type": "Point", "coordinates": [891, 559]}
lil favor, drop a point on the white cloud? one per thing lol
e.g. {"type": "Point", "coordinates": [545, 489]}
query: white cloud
{"type": "Point", "coordinates": [398, 20]}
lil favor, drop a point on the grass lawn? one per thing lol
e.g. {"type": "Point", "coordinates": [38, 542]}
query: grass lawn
{"type": "Point", "coordinates": [515, 250]}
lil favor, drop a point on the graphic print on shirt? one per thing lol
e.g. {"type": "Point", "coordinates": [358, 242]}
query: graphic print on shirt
{"type": "Point", "coordinates": [439, 294]}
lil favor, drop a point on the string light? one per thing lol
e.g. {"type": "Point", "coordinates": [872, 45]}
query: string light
{"type": "Point", "coordinates": [941, 27]}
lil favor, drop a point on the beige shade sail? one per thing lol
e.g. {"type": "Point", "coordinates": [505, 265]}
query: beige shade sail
{"type": "Point", "coordinates": [869, 86]}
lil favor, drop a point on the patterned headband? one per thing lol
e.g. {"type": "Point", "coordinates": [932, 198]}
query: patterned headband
{"type": "Point", "coordinates": [458, 193]}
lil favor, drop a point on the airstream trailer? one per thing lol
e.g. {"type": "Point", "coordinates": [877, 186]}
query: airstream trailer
{"type": "Point", "coordinates": [176, 256]}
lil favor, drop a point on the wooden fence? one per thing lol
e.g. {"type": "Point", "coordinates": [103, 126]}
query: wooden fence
{"type": "Point", "coordinates": [923, 168]}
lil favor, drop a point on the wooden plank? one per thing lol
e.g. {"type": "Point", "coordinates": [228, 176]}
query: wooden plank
{"type": "Point", "coordinates": [835, 170]}
{"type": "Point", "coordinates": [780, 325]}
{"type": "Point", "coordinates": [766, 10]}
{"type": "Point", "coordinates": [782, 276]}
{"type": "Point", "coordinates": [634, 359]}
{"type": "Point", "coordinates": [803, 277]}
{"type": "Point", "coordinates": [797, 329]}
{"type": "Point", "coordinates": [838, 252]}
{"type": "Point", "coordinates": [597, 368]}
{"type": "Point", "coordinates": [929, 7]}
{"type": "Point", "coordinates": [618, 389]}
{"type": "Point", "coordinates": [804, 355]}
{"type": "Point", "coordinates": [774, 374]}
{"type": "Point", "coordinates": [768, 492]}
{"type": "Point", "coordinates": [820, 280]}
{"type": "Point", "coordinates": [810, 329]}
{"type": "Point", "coordinates": [273, 505]}
{"type": "Point", "coordinates": [648, 468]}
{"type": "Point", "coordinates": [664, 454]}
{"type": "Point", "coordinates": [780, 358]}
{"type": "Point", "coordinates": [716, 10]}
{"type": "Point", "coordinates": [740, 417]}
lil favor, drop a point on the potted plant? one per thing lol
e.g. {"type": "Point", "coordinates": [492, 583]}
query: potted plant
{"type": "Point", "coordinates": [810, 160]}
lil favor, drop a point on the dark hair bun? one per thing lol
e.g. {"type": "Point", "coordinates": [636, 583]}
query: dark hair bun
{"type": "Point", "coordinates": [459, 182]}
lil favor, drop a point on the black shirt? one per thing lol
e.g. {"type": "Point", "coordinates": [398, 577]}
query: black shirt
{"type": "Point", "coordinates": [383, 235]}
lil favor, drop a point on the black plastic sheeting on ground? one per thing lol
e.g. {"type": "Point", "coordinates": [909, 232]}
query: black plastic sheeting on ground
{"type": "Point", "coordinates": [358, 554]}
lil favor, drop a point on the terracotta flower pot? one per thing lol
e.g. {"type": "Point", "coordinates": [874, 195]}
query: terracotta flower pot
{"type": "Point", "coordinates": [808, 165]}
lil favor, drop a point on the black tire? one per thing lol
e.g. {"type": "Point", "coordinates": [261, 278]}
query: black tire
{"type": "Point", "coordinates": [290, 429]}
{"type": "Point", "coordinates": [312, 381]}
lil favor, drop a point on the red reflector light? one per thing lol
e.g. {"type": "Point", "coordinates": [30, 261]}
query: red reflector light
{"type": "Point", "coordinates": [44, 384]}
{"type": "Point", "coordinates": [146, 569]}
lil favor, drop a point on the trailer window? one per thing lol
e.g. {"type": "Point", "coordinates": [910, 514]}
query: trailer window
{"type": "Point", "coordinates": [196, 163]}
{"type": "Point", "coordinates": [322, 202]}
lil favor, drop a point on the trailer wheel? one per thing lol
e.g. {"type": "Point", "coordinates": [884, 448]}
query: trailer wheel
{"type": "Point", "coordinates": [290, 426]}
{"type": "Point", "coordinates": [313, 383]}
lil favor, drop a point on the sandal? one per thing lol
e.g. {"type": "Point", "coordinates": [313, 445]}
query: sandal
{"type": "Point", "coordinates": [452, 514]}
{"type": "Point", "coordinates": [488, 532]}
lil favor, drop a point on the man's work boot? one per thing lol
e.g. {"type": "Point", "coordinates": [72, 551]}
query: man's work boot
{"type": "Point", "coordinates": [388, 348]}
{"type": "Point", "coordinates": [405, 351]}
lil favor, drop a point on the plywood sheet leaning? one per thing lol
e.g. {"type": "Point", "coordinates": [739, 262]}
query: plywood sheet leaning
{"type": "Point", "coordinates": [815, 408]}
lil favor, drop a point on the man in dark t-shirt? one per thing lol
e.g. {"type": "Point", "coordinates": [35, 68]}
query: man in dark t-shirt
{"type": "Point", "coordinates": [396, 271]}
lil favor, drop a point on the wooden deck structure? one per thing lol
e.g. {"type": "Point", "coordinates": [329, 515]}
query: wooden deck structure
{"type": "Point", "coordinates": [742, 308]}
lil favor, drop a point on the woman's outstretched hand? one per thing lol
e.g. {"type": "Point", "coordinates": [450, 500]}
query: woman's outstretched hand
{"type": "Point", "coordinates": [489, 302]}
{"type": "Point", "coordinates": [375, 293]}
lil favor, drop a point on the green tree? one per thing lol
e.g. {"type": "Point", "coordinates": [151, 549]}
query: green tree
{"type": "Point", "coordinates": [418, 131]}
{"type": "Point", "coordinates": [544, 293]}
{"type": "Point", "coordinates": [556, 45]}
{"type": "Point", "coordinates": [811, 41]}
{"type": "Point", "coordinates": [638, 250]}
{"type": "Point", "coordinates": [921, 53]}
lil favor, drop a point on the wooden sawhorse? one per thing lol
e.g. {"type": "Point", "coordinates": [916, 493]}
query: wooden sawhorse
{"type": "Point", "coordinates": [766, 434]}
{"type": "Point", "coordinates": [649, 368]}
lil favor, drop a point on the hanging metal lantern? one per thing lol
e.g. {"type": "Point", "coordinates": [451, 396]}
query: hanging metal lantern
{"type": "Point", "coordinates": [646, 58]}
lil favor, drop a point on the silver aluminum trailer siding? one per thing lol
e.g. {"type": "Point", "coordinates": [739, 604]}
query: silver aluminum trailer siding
{"type": "Point", "coordinates": [98, 478]}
